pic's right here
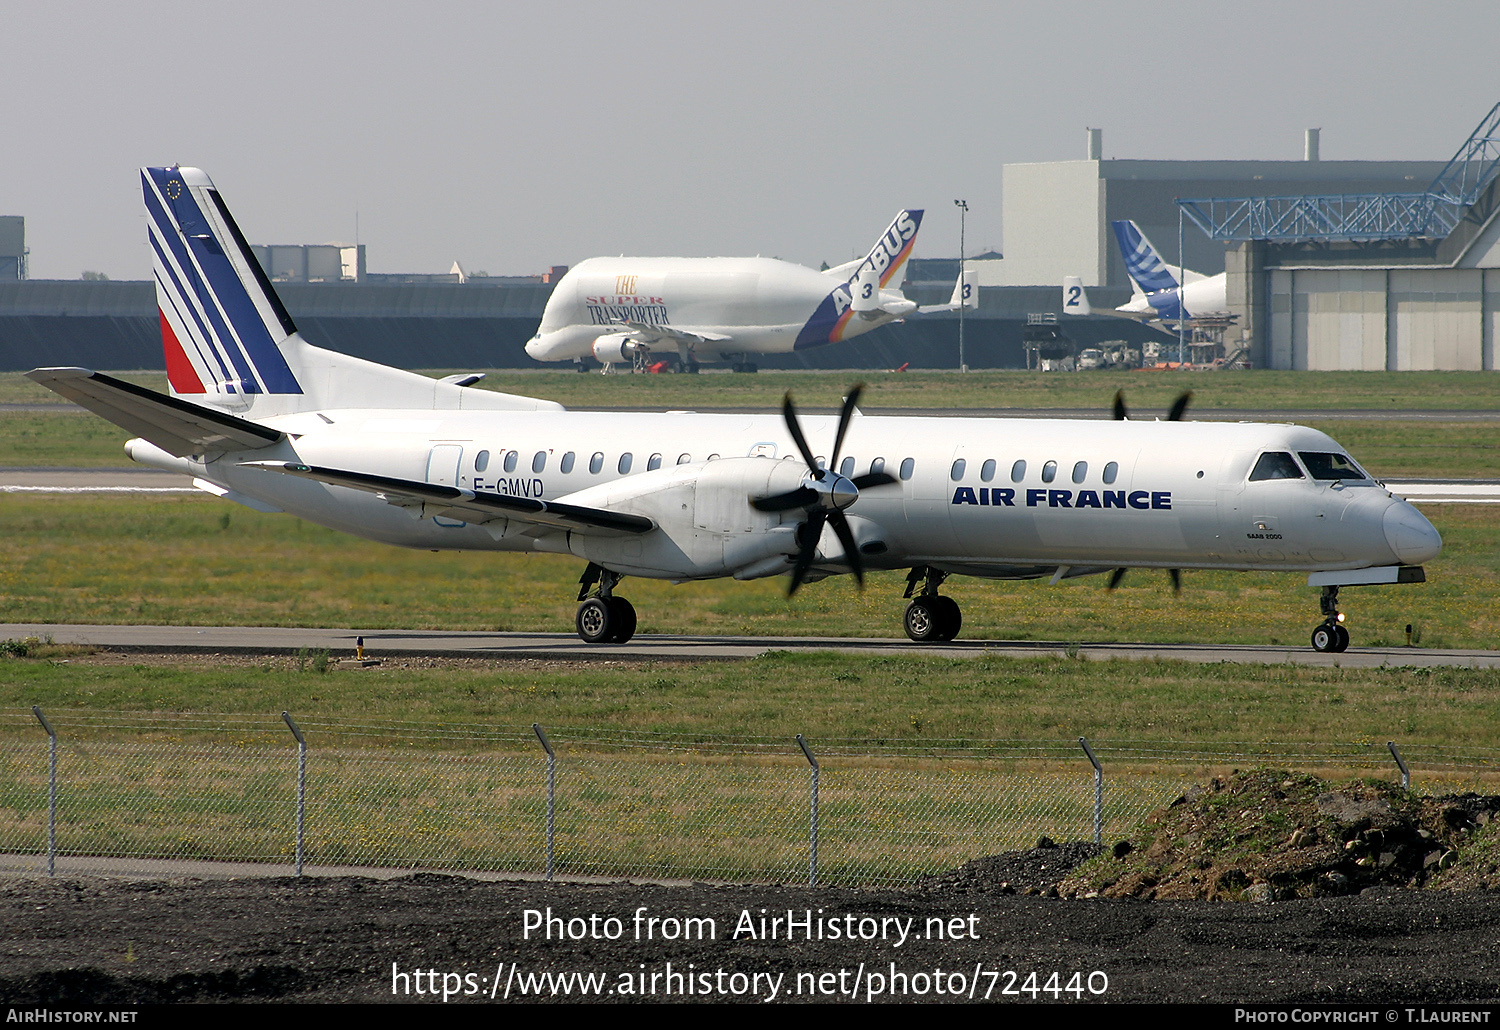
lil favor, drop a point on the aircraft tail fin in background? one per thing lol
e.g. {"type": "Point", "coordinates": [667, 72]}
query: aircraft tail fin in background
{"type": "Point", "coordinates": [228, 340]}
{"type": "Point", "coordinates": [1142, 261]}
{"type": "Point", "coordinates": [965, 294]}
{"type": "Point", "coordinates": [885, 260]}
{"type": "Point", "coordinates": [1075, 301]}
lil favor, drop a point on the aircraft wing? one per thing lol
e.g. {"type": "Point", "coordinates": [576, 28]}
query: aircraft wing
{"type": "Point", "coordinates": [177, 426]}
{"type": "Point", "coordinates": [469, 505]}
{"type": "Point", "coordinates": [650, 333]}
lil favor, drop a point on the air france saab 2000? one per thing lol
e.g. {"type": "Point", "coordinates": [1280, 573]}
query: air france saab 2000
{"type": "Point", "coordinates": [627, 308]}
{"type": "Point", "coordinates": [258, 416]}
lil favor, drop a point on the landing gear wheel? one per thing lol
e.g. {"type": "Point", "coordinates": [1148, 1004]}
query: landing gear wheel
{"type": "Point", "coordinates": [1330, 638]}
{"type": "Point", "coordinates": [923, 623]}
{"type": "Point", "coordinates": [951, 617]}
{"type": "Point", "coordinates": [931, 618]}
{"type": "Point", "coordinates": [623, 613]}
{"type": "Point", "coordinates": [595, 621]}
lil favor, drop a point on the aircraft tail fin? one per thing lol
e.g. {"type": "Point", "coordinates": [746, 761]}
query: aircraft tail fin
{"type": "Point", "coordinates": [1075, 300]}
{"type": "Point", "coordinates": [228, 340]}
{"type": "Point", "coordinates": [1142, 261]}
{"type": "Point", "coordinates": [885, 260]}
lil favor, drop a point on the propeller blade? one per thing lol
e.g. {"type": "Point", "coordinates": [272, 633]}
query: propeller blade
{"type": "Point", "coordinates": [789, 413]}
{"type": "Point", "coordinates": [845, 417]}
{"type": "Point", "coordinates": [1176, 575]}
{"type": "Point", "coordinates": [1115, 577]}
{"type": "Point", "coordinates": [870, 479]}
{"type": "Point", "coordinates": [851, 549]}
{"type": "Point", "coordinates": [798, 498]}
{"type": "Point", "coordinates": [808, 533]}
{"type": "Point", "coordinates": [1121, 412]}
{"type": "Point", "coordinates": [1179, 406]}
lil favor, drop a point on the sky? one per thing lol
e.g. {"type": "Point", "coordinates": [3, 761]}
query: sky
{"type": "Point", "coordinates": [511, 137]}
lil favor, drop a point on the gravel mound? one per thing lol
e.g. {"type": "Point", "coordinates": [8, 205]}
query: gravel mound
{"type": "Point", "coordinates": [1035, 871]}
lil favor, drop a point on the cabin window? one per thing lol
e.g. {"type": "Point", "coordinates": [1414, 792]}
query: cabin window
{"type": "Point", "coordinates": [878, 465]}
{"type": "Point", "coordinates": [846, 467]}
{"type": "Point", "coordinates": [1049, 472]}
{"type": "Point", "coordinates": [683, 459]}
{"type": "Point", "coordinates": [653, 463]}
{"type": "Point", "coordinates": [1275, 465]}
{"type": "Point", "coordinates": [1080, 471]}
{"type": "Point", "coordinates": [481, 461]}
{"type": "Point", "coordinates": [1018, 471]}
{"type": "Point", "coordinates": [1111, 471]}
{"type": "Point", "coordinates": [596, 463]}
{"type": "Point", "coordinates": [987, 470]}
{"type": "Point", "coordinates": [567, 463]}
{"type": "Point", "coordinates": [625, 460]}
{"type": "Point", "coordinates": [539, 461]}
{"type": "Point", "coordinates": [957, 472]}
{"type": "Point", "coordinates": [908, 466]}
{"type": "Point", "coordinates": [1330, 466]}
{"type": "Point", "coordinates": [510, 461]}
{"type": "Point", "coordinates": [713, 457]}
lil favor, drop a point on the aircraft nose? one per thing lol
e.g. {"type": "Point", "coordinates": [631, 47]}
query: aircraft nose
{"type": "Point", "coordinates": [1411, 536]}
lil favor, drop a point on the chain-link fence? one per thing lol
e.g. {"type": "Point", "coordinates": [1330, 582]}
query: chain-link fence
{"type": "Point", "coordinates": [188, 795]}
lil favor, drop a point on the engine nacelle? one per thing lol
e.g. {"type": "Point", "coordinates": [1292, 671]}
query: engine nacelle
{"type": "Point", "coordinates": [613, 347]}
{"type": "Point", "coordinates": [706, 527]}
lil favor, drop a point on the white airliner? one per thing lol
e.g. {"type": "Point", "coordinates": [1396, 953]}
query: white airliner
{"type": "Point", "coordinates": [1157, 298]}
{"type": "Point", "coordinates": [258, 416]}
{"type": "Point", "coordinates": [729, 309]}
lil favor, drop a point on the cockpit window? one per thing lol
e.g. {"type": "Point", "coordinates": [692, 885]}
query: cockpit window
{"type": "Point", "coordinates": [1275, 465]}
{"type": "Point", "coordinates": [1330, 466]}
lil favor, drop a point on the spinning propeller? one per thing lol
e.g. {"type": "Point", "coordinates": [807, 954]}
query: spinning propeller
{"type": "Point", "coordinates": [1179, 406]}
{"type": "Point", "coordinates": [824, 494]}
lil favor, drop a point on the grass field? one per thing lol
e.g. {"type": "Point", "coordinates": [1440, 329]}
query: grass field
{"type": "Point", "coordinates": [1146, 391]}
{"type": "Point", "coordinates": [834, 699]}
{"type": "Point", "coordinates": [186, 560]}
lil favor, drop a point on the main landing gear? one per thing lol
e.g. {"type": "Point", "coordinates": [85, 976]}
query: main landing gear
{"type": "Point", "coordinates": [930, 616]}
{"type": "Point", "coordinates": [1330, 636]}
{"type": "Point", "coordinates": [603, 618]}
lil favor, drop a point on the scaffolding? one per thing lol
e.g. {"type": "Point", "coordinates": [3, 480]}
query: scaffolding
{"type": "Point", "coordinates": [1432, 214]}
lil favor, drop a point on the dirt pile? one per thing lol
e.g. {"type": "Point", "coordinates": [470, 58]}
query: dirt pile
{"type": "Point", "coordinates": [1268, 835]}
{"type": "Point", "coordinates": [1036, 871]}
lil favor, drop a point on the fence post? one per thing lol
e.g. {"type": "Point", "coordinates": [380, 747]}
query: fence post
{"type": "Point", "coordinates": [1098, 790]}
{"type": "Point", "coordinates": [551, 789]}
{"type": "Point", "coordinates": [1401, 764]}
{"type": "Point", "coordinates": [301, 784]}
{"type": "Point", "coordinates": [51, 790]}
{"type": "Point", "coordinates": [812, 840]}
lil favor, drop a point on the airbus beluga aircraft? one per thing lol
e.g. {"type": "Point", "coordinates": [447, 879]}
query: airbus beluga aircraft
{"type": "Point", "coordinates": [731, 309]}
{"type": "Point", "coordinates": [260, 417]}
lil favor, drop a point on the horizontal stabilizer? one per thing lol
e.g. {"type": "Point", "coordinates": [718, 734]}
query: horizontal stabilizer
{"type": "Point", "coordinates": [470, 505]}
{"type": "Point", "coordinates": [176, 426]}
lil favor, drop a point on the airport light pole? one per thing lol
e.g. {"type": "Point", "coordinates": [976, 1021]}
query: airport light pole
{"type": "Point", "coordinates": [963, 213]}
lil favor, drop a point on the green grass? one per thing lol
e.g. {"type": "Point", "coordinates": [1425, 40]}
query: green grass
{"type": "Point", "coordinates": [1257, 390]}
{"type": "Point", "coordinates": [874, 701]}
{"type": "Point", "coordinates": [186, 560]}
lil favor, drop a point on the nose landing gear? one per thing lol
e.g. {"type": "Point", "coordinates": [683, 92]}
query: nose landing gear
{"type": "Point", "coordinates": [1330, 636]}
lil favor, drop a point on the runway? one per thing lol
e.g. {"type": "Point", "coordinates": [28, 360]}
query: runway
{"type": "Point", "coordinates": [395, 643]}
